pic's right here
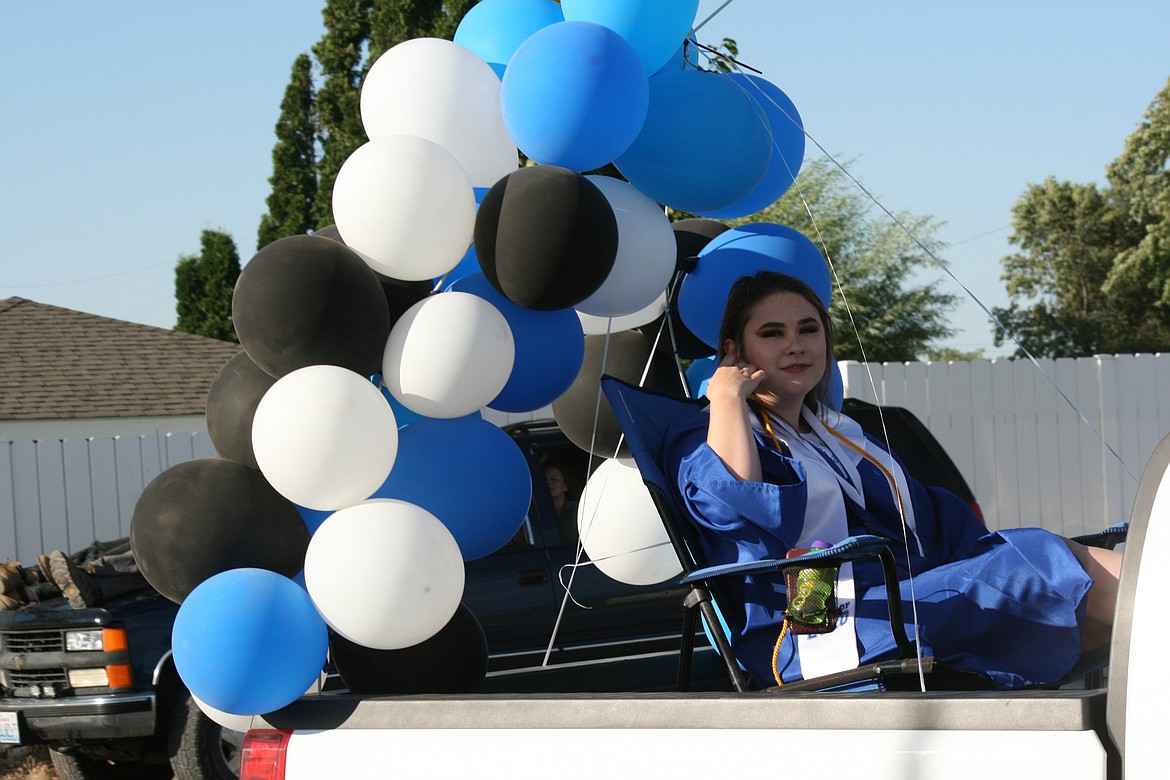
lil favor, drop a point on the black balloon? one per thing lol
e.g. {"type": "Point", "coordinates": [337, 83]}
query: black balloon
{"type": "Point", "coordinates": [330, 232]}
{"type": "Point", "coordinates": [454, 660]}
{"type": "Point", "coordinates": [545, 237]}
{"type": "Point", "coordinates": [690, 236]}
{"type": "Point", "coordinates": [205, 516]}
{"type": "Point", "coordinates": [308, 300]}
{"type": "Point", "coordinates": [231, 404]}
{"type": "Point", "coordinates": [400, 295]}
{"type": "Point", "coordinates": [626, 358]}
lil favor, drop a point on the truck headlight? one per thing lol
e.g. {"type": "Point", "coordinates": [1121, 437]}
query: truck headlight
{"type": "Point", "coordinates": [88, 639]}
{"type": "Point", "coordinates": [89, 678]}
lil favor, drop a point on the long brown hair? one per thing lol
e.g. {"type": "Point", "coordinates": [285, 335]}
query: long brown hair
{"type": "Point", "coordinates": [747, 291]}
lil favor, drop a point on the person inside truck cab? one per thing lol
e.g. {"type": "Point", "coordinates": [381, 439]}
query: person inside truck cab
{"type": "Point", "coordinates": [769, 467]}
{"type": "Point", "coordinates": [101, 572]}
{"type": "Point", "coordinates": [561, 490]}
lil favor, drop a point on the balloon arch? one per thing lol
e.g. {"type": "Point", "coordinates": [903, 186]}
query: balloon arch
{"type": "Point", "coordinates": [455, 280]}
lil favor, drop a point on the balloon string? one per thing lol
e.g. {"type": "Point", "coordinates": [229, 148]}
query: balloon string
{"type": "Point", "coordinates": [589, 470]}
{"type": "Point", "coordinates": [592, 449]}
{"type": "Point", "coordinates": [714, 13]}
{"type": "Point", "coordinates": [595, 561]}
{"type": "Point", "coordinates": [668, 324]}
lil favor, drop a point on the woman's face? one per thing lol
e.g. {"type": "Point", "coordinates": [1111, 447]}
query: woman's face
{"type": "Point", "coordinates": [555, 480]}
{"type": "Point", "coordinates": [784, 338]}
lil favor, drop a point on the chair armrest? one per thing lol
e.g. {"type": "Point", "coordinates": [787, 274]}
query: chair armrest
{"type": "Point", "coordinates": [850, 549]}
{"type": "Point", "coordinates": [1108, 539]}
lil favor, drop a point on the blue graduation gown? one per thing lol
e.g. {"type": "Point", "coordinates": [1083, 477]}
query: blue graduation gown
{"type": "Point", "coordinates": [1005, 604]}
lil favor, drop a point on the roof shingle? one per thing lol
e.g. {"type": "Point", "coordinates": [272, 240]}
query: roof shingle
{"type": "Point", "coordinates": [59, 363]}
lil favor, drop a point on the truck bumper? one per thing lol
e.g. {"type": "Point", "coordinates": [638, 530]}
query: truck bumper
{"type": "Point", "coordinates": [111, 716]}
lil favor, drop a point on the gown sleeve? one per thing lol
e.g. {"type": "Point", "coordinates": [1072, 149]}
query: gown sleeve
{"type": "Point", "coordinates": [762, 519]}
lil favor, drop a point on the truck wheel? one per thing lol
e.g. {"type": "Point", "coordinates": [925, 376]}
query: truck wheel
{"type": "Point", "coordinates": [200, 748]}
{"type": "Point", "coordinates": [78, 766]}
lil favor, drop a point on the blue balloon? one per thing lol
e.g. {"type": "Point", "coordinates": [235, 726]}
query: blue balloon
{"type": "Point", "coordinates": [468, 473]}
{"type": "Point", "coordinates": [698, 373]}
{"type": "Point", "coordinates": [654, 28]}
{"type": "Point", "coordinates": [402, 416]}
{"type": "Point", "coordinates": [550, 347]}
{"type": "Point", "coordinates": [468, 265]}
{"type": "Point", "coordinates": [248, 641]}
{"type": "Point", "coordinates": [676, 61]}
{"type": "Point", "coordinates": [705, 144]}
{"type": "Point", "coordinates": [494, 29]}
{"type": "Point", "coordinates": [741, 251]}
{"type": "Point", "coordinates": [787, 148]}
{"type": "Point", "coordinates": [574, 95]}
{"type": "Point", "coordinates": [313, 517]}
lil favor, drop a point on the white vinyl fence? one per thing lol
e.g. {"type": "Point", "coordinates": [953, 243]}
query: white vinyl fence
{"type": "Point", "coordinates": [63, 494]}
{"type": "Point", "coordinates": [1028, 455]}
{"type": "Point", "coordinates": [1064, 459]}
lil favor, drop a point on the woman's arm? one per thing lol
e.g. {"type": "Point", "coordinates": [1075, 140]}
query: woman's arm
{"type": "Point", "coordinates": [730, 433]}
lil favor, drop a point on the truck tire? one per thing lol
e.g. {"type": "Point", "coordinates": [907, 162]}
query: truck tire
{"type": "Point", "coordinates": [200, 748]}
{"type": "Point", "coordinates": [78, 766]}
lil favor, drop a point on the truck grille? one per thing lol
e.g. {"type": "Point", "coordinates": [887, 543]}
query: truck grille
{"type": "Point", "coordinates": [26, 643]}
{"type": "Point", "coordinates": [37, 677]}
{"type": "Point", "coordinates": [34, 641]}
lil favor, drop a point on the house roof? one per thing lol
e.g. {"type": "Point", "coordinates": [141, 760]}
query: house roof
{"type": "Point", "coordinates": [59, 363]}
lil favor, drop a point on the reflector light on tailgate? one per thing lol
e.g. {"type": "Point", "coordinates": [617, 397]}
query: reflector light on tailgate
{"type": "Point", "coordinates": [263, 754]}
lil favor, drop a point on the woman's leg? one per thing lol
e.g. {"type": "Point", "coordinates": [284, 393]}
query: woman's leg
{"type": "Point", "coordinates": [1104, 566]}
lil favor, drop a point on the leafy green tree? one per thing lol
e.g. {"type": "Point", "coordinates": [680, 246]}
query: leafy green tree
{"type": "Point", "coordinates": [874, 261]}
{"type": "Point", "coordinates": [1093, 271]}
{"type": "Point", "coordinates": [340, 55]}
{"type": "Point", "coordinates": [1140, 183]}
{"type": "Point", "coordinates": [294, 161]}
{"type": "Point", "coordinates": [204, 285]}
{"type": "Point", "coordinates": [1069, 235]}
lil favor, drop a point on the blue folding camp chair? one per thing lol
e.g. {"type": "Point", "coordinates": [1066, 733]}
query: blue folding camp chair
{"type": "Point", "coordinates": [644, 416]}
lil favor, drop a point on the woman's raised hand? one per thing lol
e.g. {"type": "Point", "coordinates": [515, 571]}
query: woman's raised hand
{"type": "Point", "coordinates": [733, 379]}
{"type": "Point", "coordinates": [729, 431]}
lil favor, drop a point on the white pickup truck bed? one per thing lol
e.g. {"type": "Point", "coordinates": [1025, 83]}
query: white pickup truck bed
{"type": "Point", "coordinates": [1121, 730]}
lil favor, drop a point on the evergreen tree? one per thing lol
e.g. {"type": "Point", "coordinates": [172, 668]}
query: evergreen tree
{"type": "Point", "coordinates": [340, 131]}
{"type": "Point", "coordinates": [320, 130]}
{"type": "Point", "coordinates": [874, 259]}
{"type": "Point", "coordinates": [395, 21]}
{"type": "Point", "coordinates": [204, 285]}
{"type": "Point", "coordinates": [294, 161]}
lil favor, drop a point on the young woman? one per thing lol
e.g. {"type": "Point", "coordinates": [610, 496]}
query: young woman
{"type": "Point", "coordinates": [768, 467]}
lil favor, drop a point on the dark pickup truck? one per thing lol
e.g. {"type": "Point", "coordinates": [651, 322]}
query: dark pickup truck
{"type": "Point", "coordinates": [99, 688]}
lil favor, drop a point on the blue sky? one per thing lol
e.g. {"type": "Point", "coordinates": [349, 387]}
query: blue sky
{"type": "Point", "coordinates": [129, 126]}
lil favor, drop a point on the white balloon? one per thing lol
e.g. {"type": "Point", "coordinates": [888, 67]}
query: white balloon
{"type": "Point", "coordinates": [620, 528]}
{"type": "Point", "coordinates": [406, 205]}
{"type": "Point", "coordinates": [324, 437]}
{"type": "Point", "coordinates": [239, 723]}
{"type": "Point", "coordinates": [448, 355]}
{"type": "Point", "coordinates": [242, 723]}
{"type": "Point", "coordinates": [385, 574]}
{"type": "Point", "coordinates": [599, 326]}
{"type": "Point", "coordinates": [441, 91]}
{"type": "Point", "coordinates": [646, 252]}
